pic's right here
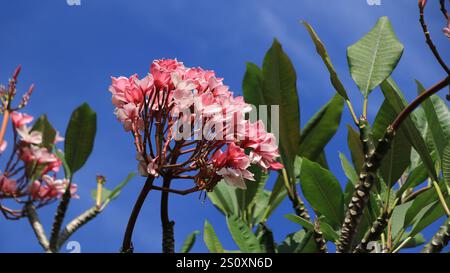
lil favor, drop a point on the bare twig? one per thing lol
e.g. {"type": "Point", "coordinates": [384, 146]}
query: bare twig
{"type": "Point", "coordinates": [429, 41]}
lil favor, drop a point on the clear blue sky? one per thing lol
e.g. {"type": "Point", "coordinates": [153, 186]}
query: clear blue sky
{"type": "Point", "coordinates": [70, 52]}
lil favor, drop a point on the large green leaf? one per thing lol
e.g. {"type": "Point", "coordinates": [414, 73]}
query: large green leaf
{"type": "Point", "coordinates": [356, 149]}
{"type": "Point", "coordinates": [299, 242]}
{"type": "Point", "coordinates": [394, 96]}
{"type": "Point", "coordinates": [323, 191]}
{"type": "Point", "coordinates": [431, 214]}
{"type": "Point", "coordinates": [446, 164]}
{"type": "Point", "coordinates": [321, 128]}
{"type": "Point", "coordinates": [242, 235]}
{"type": "Point", "coordinates": [247, 197]}
{"type": "Point", "coordinates": [212, 242]}
{"type": "Point", "coordinates": [420, 202]}
{"type": "Point", "coordinates": [373, 58]}
{"type": "Point", "coordinates": [224, 198]}
{"type": "Point", "coordinates": [80, 136]}
{"type": "Point", "coordinates": [48, 132]}
{"type": "Point", "coordinates": [252, 85]}
{"type": "Point", "coordinates": [337, 84]}
{"type": "Point", "coordinates": [189, 242]}
{"type": "Point", "coordinates": [301, 221]}
{"type": "Point", "coordinates": [438, 119]}
{"type": "Point", "coordinates": [276, 196]}
{"type": "Point", "coordinates": [348, 169]}
{"type": "Point", "coordinates": [280, 88]}
{"type": "Point", "coordinates": [416, 177]}
{"type": "Point", "coordinates": [397, 158]}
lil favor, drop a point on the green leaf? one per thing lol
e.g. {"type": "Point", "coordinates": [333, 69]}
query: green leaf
{"type": "Point", "coordinates": [260, 208]}
{"type": "Point", "coordinates": [419, 203]}
{"type": "Point", "coordinates": [446, 164]}
{"type": "Point", "coordinates": [414, 242]}
{"type": "Point", "coordinates": [321, 50]}
{"type": "Point", "coordinates": [430, 214]}
{"type": "Point", "coordinates": [348, 169]}
{"type": "Point", "coordinates": [438, 119]}
{"type": "Point", "coordinates": [243, 235]}
{"type": "Point", "coordinates": [252, 85]}
{"type": "Point", "coordinates": [276, 196]}
{"type": "Point", "coordinates": [394, 96]}
{"type": "Point", "coordinates": [415, 178]}
{"type": "Point", "coordinates": [246, 197]}
{"type": "Point", "coordinates": [320, 129]}
{"type": "Point", "coordinates": [397, 158]}
{"type": "Point", "coordinates": [224, 198]}
{"type": "Point", "coordinates": [189, 242]}
{"type": "Point", "coordinates": [323, 191]}
{"type": "Point", "coordinates": [212, 242]}
{"type": "Point", "coordinates": [48, 132]}
{"type": "Point", "coordinates": [80, 136]}
{"type": "Point", "coordinates": [328, 232]}
{"type": "Point", "coordinates": [356, 149]}
{"type": "Point", "coordinates": [299, 242]}
{"type": "Point", "coordinates": [61, 156]}
{"type": "Point", "coordinates": [301, 221]}
{"type": "Point", "coordinates": [373, 58]}
{"type": "Point", "coordinates": [398, 218]}
{"type": "Point", "coordinates": [280, 88]}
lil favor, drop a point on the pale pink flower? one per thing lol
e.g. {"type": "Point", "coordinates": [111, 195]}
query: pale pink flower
{"type": "Point", "coordinates": [152, 168]}
{"type": "Point", "coordinates": [446, 29]}
{"type": "Point", "coordinates": [183, 95]}
{"type": "Point", "coordinates": [129, 116]}
{"type": "Point", "coordinates": [264, 148]}
{"type": "Point", "coordinates": [7, 186]}
{"type": "Point", "coordinates": [20, 119]}
{"type": "Point", "coordinates": [51, 188]}
{"type": "Point", "coordinates": [3, 146]}
{"type": "Point", "coordinates": [58, 138]}
{"type": "Point", "coordinates": [28, 136]}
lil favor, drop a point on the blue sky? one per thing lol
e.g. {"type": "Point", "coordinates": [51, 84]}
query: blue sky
{"type": "Point", "coordinates": [70, 52]}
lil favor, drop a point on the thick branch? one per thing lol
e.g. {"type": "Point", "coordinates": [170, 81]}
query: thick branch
{"type": "Point", "coordinates": [127, 244]}
{"type": "Point", "coordinates": [168, 240]}
{"type": "Point", "coordinates": [36, 225]}
{"type": "Point", "coordinates": [77, 223]}
{"type": "Point", "coordinates": [59, 218]}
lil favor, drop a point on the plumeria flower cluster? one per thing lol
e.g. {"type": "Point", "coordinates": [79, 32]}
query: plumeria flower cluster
{"type": "Point", "coordinates": [31, 167]}
{"type": "Point", "coordinates": [185, 123]}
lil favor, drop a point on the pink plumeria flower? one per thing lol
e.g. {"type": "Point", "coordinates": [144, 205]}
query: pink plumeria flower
{"type": "Point", "coordinates": [20, 119]}
{"type": "Point", "coordinates": [183, 94]}
{"type": "Point", "coordinates": [163, 69]}
{"type": "Point", "coordinates": [7, 186]}
{"type": "Point", "coordinates": [152, 168]}
{"type": "Point", "coordinates": [129, 116]}
{"type": "Point", "coordinates": [58, 138]}
{"type": "Point", "coordinates": [446, 29]}
{"type": "Point", "coordinates": [3, 146]}
{"type": "Point", "coordinates": [33, 137]}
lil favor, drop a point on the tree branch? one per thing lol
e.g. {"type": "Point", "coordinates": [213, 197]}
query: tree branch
{"type": "Point", "coordinates": [37, 226]}
{"type": "Point", "coordinates": [368, 173]}
{"type": "Point", "coordinates": [127, 244]}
